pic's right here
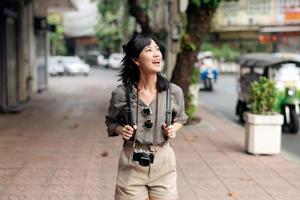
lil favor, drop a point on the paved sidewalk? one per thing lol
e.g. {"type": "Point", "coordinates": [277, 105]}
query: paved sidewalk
{"type": "Point", "coordinates": [57, 149]}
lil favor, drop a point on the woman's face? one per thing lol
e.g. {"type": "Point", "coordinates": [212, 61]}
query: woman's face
{"type": "Point", "coordinates": [149, 60]}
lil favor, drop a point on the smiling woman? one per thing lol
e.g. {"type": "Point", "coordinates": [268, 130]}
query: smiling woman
{"type": "Point", "coordinates": [149, 59]}
{"type": "Point", "coordinates": [139, 111]}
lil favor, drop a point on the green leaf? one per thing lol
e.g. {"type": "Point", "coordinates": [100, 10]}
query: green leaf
{"type": "Point", "coordinates": [262, 96]}
{"type": "Point", "coordinates": [197, 2]}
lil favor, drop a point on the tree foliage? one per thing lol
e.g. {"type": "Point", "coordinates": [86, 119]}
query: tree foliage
{"type": "Point", "coordinates": [57, 39]}
{"type": "Point", "coordinates": [109, 32]}
{"type": "Point", "coordinates": [224, 52]}
{"type": "Point", "coordinates": [117, 21]}
{"type": "Point", "coordinates": [211, 3]}
{"type": "Point", "coordinates": [114, 25]}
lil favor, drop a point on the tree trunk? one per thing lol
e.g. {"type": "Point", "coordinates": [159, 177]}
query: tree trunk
{"type": "Point", "coordinates": [198, 21]}
{"type": "Point", "coordinates": [140, 16]}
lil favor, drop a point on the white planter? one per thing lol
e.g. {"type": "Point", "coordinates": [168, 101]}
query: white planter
{"type": "Point", "coordinates": [194, 90]}
{"type": "Point", "coordinates": [263, 133]}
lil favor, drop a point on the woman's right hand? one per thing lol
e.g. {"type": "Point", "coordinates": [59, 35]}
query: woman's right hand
{"type": "Point", "coordinates": [126, 131]}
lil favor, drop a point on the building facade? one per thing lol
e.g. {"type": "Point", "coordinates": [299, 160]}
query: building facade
{"type": "Point", "coordinates": [259, 25]}
{"type": "Point", "coordinates": [24, 49]}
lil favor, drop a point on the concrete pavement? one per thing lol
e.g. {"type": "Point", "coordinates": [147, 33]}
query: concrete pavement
{"type": "Point", "coordinates": [57, 149]}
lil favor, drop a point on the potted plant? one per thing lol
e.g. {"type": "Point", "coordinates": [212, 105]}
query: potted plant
{"type": "Point", "coordinates": [263, 125]}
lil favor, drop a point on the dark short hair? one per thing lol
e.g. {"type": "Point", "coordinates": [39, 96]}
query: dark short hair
{"type": "Point", "coordinates": [130, 72]}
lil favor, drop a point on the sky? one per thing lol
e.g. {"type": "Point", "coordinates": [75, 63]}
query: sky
{"type": "Point", "coordinates": [81, 22]}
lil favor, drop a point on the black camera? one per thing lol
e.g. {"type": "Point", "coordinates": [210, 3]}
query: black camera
{"type": "Point", "coordinates": [145, 158]}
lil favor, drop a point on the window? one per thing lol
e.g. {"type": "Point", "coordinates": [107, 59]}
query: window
{"type": "Point", "coordinates": [288, 4]}
{"type": "Point", "coordinates": [258, 6]}
{"type": "Point", "coordinates": [230, 8]}
{"type": "Point", "coordinates": [265, 6]}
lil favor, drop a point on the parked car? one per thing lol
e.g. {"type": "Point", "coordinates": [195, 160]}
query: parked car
{"type": "Point", "coordinates": [101, 60]}
{"type": "Point", "coordinates": [55, 66]}
{"type": "Point", "coordinates": [73, 66]}
{"type": "Point", "coordinates": [114, 60]}
{"type": "Point", "coordinates": [91, 57]}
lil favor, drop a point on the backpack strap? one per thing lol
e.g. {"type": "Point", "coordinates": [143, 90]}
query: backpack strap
{"type": "Point", "coordinates": [129, 117]}
{"type": "Point", "coordinates": [168, 107]}
{"type": "Point", "coordinates": [128, 109]}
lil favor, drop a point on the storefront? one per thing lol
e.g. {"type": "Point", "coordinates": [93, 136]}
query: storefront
{"type": "Point", "coordinates": [283, 38]}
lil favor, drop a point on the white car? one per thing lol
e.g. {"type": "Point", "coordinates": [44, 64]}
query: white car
{"type": "Point", "coordinates": [73, 65]}
{"type": "Point", "coordinates": [55, 66]}
{"type": "Point", "coordinates": [114, 60]}
{"type": "Point", "coordinates": [102, 61]}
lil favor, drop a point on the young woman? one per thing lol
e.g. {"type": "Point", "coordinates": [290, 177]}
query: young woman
{"type": "Point", "coordinates": [147, 165]}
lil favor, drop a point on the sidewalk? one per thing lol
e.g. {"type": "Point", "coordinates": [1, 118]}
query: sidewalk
{"type": "Point", "coordinates": [57, 149]}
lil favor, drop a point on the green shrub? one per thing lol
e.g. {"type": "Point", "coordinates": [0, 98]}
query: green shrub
{"type": "Point", "coordinates": [225, 52]}
{"type": "Point", "coordinates": [195, 76]}
{"type": "Point", "coordinates": [262, 96]}
{"type": "Point", "coordinates": [192, 109]}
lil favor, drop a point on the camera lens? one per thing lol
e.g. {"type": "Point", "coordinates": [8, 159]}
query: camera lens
{"type": "Point", "coordinates": [144, 162]}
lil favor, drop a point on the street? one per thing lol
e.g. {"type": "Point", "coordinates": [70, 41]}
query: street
{"type": "Point", "coordinates": [223, 101]}
{"type": "Point", "coordinates": [223, 98]}
{"type": "Point", "coordinates": [60, 63]}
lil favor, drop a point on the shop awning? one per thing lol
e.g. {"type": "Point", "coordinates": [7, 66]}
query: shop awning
{"type": "Point", "coordinates": [280, 29]}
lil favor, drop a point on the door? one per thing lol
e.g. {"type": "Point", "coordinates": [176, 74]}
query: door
{"type": "Point", "coordinates": [11, 62]}
{"type": "Point", "coordinates": [2, 61]}
{"type": "Point", "coordinates": [41, 61]}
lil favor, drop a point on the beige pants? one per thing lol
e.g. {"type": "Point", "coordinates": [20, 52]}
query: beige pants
{"type": "Point", "coordinates": [159, 180]}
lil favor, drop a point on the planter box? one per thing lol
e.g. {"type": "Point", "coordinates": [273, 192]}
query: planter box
{"type": "Point", "coordinates": [263, 133]}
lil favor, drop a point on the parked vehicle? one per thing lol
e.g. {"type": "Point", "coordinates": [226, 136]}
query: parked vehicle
{"type": "Point", "coordinates": [285, 73]}
{"type": "Point", "coordinates": [208, 69]}
{"type": "Point", "coordinates": [114, 60]}
{"type": "Point", "coordinates": [91, 57]}
{"type": "Point", "coordinates": [102, 61]}
{"type": "Point", "coordinates": [55, 66]}
{"type": "Point", "coordinates": [291, 56]}
{"type": "Point", "coordinates": [73, 66]}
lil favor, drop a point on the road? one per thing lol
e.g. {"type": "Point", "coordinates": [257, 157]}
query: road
{"type": "Point", "coordinates": [223, 100]}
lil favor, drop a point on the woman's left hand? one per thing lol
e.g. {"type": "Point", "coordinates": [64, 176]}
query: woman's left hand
{"type": "Point", "coordinates": [169, 131]}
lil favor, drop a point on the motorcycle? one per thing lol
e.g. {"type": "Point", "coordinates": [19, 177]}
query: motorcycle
{"type": "Point", "coordinates": [208, 70]}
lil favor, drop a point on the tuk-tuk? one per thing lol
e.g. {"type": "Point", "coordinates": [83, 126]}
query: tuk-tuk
{"type": "Point", "coordinates": [286, 74]}
{"type": "Point", "coordinates": [208, 69]}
